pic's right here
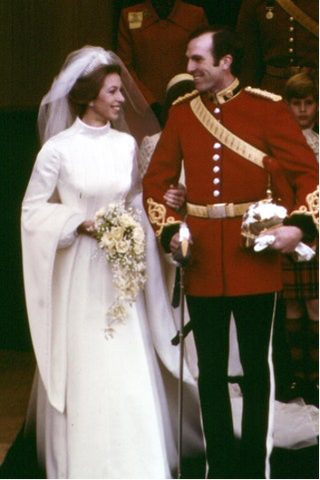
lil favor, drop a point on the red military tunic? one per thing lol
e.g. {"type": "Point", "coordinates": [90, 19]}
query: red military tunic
{"type": "Point", "coordinates": [153, 49]}
{"type": "Point", "coordinates": [220, 265]}
{"type": "Point", "coordinates": [276, 45]}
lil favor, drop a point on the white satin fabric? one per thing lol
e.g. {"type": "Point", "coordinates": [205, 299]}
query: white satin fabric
{"type": "Point", "coordinates": [103, 408]}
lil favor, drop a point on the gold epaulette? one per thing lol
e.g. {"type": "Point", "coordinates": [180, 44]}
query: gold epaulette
{"type": "Point", "coordinates": [263, 94]}
{"type": "Point", "coordinates": [187, 96]}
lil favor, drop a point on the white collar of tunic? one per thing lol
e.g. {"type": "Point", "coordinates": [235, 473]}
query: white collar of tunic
{"type": "Point", "coordinates": [84, 127]}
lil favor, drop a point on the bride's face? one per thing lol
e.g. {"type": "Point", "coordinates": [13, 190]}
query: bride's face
{"type": "Point", "coordinates": [108, 104]}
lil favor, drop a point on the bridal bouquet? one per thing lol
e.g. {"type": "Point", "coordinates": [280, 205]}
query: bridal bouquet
{"type": "Point", "coordinates": [122, 241]}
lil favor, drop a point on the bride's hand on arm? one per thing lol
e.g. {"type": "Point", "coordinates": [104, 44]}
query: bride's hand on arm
{"type": "Point", "coordinates": [175, 197]}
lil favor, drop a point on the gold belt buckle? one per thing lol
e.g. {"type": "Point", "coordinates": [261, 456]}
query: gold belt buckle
{"type": "Point", "coordinates": [218, 210]}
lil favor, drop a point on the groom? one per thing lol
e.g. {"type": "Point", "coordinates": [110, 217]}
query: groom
{"type": "Point", "coordinates": [223, 276]}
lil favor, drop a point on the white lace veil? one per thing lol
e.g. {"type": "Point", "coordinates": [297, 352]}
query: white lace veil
{"type": "Point", "coordinates": [55, 114]}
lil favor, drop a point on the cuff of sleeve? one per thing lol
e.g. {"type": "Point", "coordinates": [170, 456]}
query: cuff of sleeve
{"type": "Point", "coordinates": [166, 235]}
{"type": "Point", "coordinates": [70, 231]}
{"type": "Point", "coordinates": [305, 223]}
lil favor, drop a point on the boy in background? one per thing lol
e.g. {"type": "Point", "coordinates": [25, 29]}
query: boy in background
{"type": "Point", "coordinates": [301, 279]}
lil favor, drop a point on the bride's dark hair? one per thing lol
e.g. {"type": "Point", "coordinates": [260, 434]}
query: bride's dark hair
{"type": "Point", "coordinates": [87, 88]}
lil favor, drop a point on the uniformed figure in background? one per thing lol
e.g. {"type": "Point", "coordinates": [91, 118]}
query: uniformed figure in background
{"type": "Point", "coordinates": [226, 171]}
{"type": "Point", "coordinates": [281, 38]}
{"type": "Point", "coordinates": [152, 39]}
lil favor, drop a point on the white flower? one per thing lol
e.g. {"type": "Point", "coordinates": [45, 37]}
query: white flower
{"type": "Point", "coordinates": [100, 213]}
{"type": "Point", "coordinates": [118, 311]}
{"type": "Point", "coordinates": [140, 267]}
{"type": "Point", "coordinates": [122, 240]}
{"type": "Point", "coordinates": [122, 246]}
{"type": "Point", "coordinates": [138, 234]}
{"type": "Point", "coordinates": [127, 220]}
{"type": "Point", "coordinates": [117, 233]}
{"type": "Point", "coordinates": [139, 248]}
{"type": "Point", "coordinates": [107, 240]}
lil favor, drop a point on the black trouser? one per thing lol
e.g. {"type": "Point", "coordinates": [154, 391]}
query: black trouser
{"type": "Point", "coordinates": [211, 320]}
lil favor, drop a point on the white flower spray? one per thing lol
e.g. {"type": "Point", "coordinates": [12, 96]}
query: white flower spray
{"type": "Point", "coordinates": [121, 238]}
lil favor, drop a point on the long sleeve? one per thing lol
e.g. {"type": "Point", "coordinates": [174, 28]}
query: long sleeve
{"type": "Point", "coordinates": [42, 197]}
{"type": "Point", "coordinates": [43, 226]}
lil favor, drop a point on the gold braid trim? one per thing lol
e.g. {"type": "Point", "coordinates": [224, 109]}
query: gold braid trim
{"type": "Point", "coordinates": [263, 94]}
{"type": "Point", "coordinates": [312, 201]}
{"type": "Point", "coordinates": [186, 96]}
{"type": "Point", "coordinates": [313, 204]}
{"type": "Point", "coordinates": [157, 216]}
{"type": "Point", "coordinates": [225, 136]}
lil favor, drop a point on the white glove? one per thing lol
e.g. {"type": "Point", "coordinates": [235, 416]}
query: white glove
{"type": "Point", "coordinates": [303, 253]}
{"type": "Point", "coordinates": [263, 242]}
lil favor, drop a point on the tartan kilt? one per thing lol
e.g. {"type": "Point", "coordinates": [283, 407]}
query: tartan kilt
{"type": "Point", "coordinates": [300, 279]}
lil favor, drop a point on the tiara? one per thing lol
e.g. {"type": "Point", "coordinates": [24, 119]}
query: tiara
{"type": "Point", "coordinates": [99, 59]}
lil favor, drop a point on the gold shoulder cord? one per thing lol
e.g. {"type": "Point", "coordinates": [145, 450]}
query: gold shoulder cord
{"type": "Point", "coordinates": [224, 135]}
{"type": "Point", "coordinates": [184, 97]}
{"type": "Point", "coordinates": [300, 16]}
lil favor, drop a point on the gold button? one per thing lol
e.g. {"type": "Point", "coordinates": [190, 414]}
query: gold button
{"type": "Point", "coordinates": [291, 40]}
{"type": "Point", "coordinates": [216, 157]}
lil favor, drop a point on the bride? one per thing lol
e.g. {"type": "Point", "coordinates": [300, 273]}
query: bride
{"type": "Point", "coordinates": [101, 408]}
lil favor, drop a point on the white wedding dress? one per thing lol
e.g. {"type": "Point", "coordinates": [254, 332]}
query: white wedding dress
{"type": "Point", "coordinates": [103, 408]}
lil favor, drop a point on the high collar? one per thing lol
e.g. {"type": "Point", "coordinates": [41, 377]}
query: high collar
{"type": "Point", "coordinates": [84, 127]}
{"type": "Point", "coordinates": [226, 94]}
